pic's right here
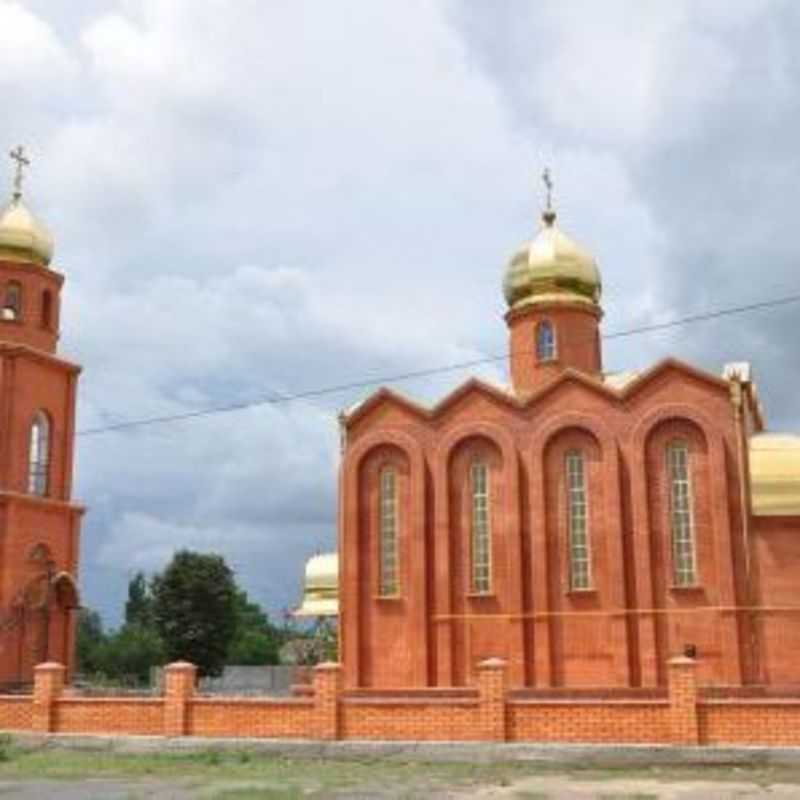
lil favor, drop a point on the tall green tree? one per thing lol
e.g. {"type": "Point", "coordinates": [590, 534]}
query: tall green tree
{"type": "Point", "coordinates": [194, 609]}
{"type": "Point", "coordinates": [90, 638]}
{"type": "Point", "coordinates": [257, 641]}
{"type": "Point", "coordinates": [139, 605]}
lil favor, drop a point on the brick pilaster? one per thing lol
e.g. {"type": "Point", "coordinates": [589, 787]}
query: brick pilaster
{"type": "Point", "coordinates": [48, 683]}
{"type": "Point", "coordinates": [492, 680]}
{"type": "Point", "coordinates": [179, 682]}
{"type": "Point", "coordinates": [327, 686]}
{"type": "Point", "coordinates": [683, 700]}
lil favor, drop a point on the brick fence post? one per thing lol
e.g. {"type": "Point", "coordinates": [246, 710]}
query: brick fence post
{"type": "Point", "coordinates": [683, 700]}
{"type": "Point", "coordinates": [48, 683]}
{"type": "Point", "coordinates": [179, 681]}
{"type": "Point", "coordinates": [327, 685]}
{"type": "Point", "coordinates": [492, 677]}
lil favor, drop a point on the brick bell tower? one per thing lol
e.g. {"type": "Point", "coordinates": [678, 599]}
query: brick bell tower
{"type": "Point", "coordinates": [39, 525]}
{"type": "Point", "coordinates": [553, 288]}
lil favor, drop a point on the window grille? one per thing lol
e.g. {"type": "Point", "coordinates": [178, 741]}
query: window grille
{"type": "Point", "coordinates": [545, 342]}
{"type": "Point", "coordinates": [684, 567]}
{"type": "Point", "coordinates": [481, 537]}
{"type": "Point", "coordinates": [580, 573]}
{"type": "Point", "coordinates": [39, 455]}
{"type": "Point", "coordinates": [388, 533]}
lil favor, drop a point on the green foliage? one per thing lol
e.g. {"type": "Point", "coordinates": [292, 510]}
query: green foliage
{"type": "Point", "coordinates": [90, 637]}
{"type": "Point", "coordinates": [139, 605]}
{"type": "Point", "coordinates": [195, 611]}
{"type": "Point", "coordinates": [127, 655]}
{"type": "Point", "coordinates": [257, 641]}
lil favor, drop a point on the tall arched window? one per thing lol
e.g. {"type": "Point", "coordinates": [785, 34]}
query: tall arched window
{"type": "Point", "coordinates": [12, 304]}
{"type": "Point", "coordinates": [580, 570]}
{"type": "Point", "coordinates": [39, 455]}
{"type": "Point", "coordinates": [389, 584]}
{"type": "Point", "coordinates": [47, 308]}
{"type": "Point", "coordinates": [481, 533]}
{"type": "Point", "coordinates": [684, 562]}
{"type": "Point", "coordinates": [545, 341]}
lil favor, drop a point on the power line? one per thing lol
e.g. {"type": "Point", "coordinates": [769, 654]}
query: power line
{"type": "Point", "coordinates": [276, 398]}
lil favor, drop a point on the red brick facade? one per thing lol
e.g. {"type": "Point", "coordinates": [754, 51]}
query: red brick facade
{"type": "Point", "coordinates": [39, 526]}
{"type": "Point", "coordinates": [621, 629]}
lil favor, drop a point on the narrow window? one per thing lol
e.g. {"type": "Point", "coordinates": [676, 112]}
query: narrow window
{"type": "Point", "coordinates": [388, 533]}
{"type": "Point", "coordinates": [47, 308]}
{"type": "Point", "coordinates": [545, 342]}
{"type": "Point", "coordinates": [481, 537]}
{"type": "Point", "coordinates": [580, 573]}
{"type": "Point", "coordinates": [39, 455]}
{"type": "Point", "coordinates": [12, 306]}
{"type": "Point", "coordinates": [684, 567]}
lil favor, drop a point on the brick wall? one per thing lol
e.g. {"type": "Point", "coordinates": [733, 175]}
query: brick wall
{"type": "Point", "coordinates": [490, 712]}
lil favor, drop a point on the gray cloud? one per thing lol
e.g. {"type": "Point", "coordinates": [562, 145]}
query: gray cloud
{"type": "Point", "coordinates": [287, 196]}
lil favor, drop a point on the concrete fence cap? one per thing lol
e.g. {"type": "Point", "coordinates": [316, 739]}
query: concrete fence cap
{"type": "Point", "coordinates": [492, 663]}
{"type": "Point", "coordinates": [682, 661]}
{"type": "Point", "coordinates": [180, 666]}
{"type": "Point", "coordinates": [49, 666]}
{"type": "Point", "coordinates": [328, 666]}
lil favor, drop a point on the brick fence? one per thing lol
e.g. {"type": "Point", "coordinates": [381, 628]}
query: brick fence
{"type": "Point", "coordinates": [681, 714]}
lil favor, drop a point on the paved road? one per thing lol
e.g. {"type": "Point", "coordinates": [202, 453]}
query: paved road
{"type": "Point", "coordinates": [538, 788]}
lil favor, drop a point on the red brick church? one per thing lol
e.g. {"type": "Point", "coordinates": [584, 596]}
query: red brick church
{"type": "Point", "coordinates": [39, 524]}
{"type": "Point", "coordinates": [581, 525]}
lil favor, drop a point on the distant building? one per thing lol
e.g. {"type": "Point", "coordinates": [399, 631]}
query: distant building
{"type": "Point", "coordinates": [581, 525]}
{"type": "Point", "coordinates": [39, 524]}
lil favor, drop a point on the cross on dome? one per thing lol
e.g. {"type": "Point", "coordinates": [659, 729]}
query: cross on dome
{"type": "Point", "coordinates": [549, 216]}
{"type": "Point", "coordinates": [18, 155]}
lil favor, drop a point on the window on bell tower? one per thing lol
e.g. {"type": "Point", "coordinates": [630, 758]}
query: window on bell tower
{"type": "Point", "coordinates": [12, 304]}
{"type": "Point", "coordinates": [39, 455]}
{"type": "Point", "coordinates": [545, 341]}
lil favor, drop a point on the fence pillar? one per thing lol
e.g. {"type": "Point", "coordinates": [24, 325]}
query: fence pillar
{"type": "Point", "coordinates": [683, 700]}
{"type": "Point", "coordinates": [492, 678]}
{"type": "Point", "coordinates": [48, 683]}
{"type": "Point", "coordinates": [179, 681]}
{"type": "Point", "coordinates": [327, 685]}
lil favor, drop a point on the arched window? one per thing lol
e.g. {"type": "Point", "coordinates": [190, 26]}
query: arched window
{"type": "Point", "coordinates": [481, 533]}
{"type": "Point", "coordinates": [39, 455]}
{"type": "Point", "coordinates": [545, 341]}
{"type": "Point", "coordinates": [684, 562]}
{"type": "Point", "coordinates": [389, 584]}
{"type": "Point", "coordinates": [12, 305]}
{"type": "Point", "coordinates": [47, 308]}
{"type": "Point", "coordinates": [580, 572]}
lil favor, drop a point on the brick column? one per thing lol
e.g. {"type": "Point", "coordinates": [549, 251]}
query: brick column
{"type": "Point", "coordinates": [683, 700]}
{"type": "Point", "coordinates": [48, 683]}
{"type": "Point", "coordinates": [327, 685]}
{"type": "Point", "coordinates": [179, 681]}
{"type": "Point", "coordinates": [492, 681]}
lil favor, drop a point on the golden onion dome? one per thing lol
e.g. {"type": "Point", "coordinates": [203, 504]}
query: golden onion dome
{"type": "Point", "coordinates": [321, 591]}
{"type": "Point", "coordinates": [22, 236]}
{"type": "Point", "coordinates": [551, 267]}
{"type": "Point", "coordinates": [775, 474]}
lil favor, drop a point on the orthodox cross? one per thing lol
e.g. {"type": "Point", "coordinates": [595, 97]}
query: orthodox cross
{"type": "Point", "coordinates": [549, 215]}
{"type": "Point", "coordinates": [23, 161]}
{"type": "Point", "coordinates": [548, 182]}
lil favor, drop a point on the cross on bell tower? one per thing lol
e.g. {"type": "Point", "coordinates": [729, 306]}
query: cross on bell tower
{"type": "Point", "coordinates": [18, 155]}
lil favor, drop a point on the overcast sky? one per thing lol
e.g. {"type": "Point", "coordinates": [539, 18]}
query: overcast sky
{"type": "Point", "coordinates": [259, 198]}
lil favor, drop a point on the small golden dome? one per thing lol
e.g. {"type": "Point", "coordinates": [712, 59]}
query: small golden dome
{"type": "Point", "coordinates": [551, 267]}
{"type": "Point", "coordinates": [22, 236]}
{"type": "Point", "coordinates": [321, 591]}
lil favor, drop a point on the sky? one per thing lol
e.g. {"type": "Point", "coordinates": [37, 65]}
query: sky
{"type": "Point", "coordinates": [257, 199]}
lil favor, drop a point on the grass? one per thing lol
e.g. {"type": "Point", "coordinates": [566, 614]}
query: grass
{"type": "Point", "coordinates": [241, 775]}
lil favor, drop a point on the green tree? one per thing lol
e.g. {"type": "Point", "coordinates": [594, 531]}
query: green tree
{"type": "Point", "coordinates": [194, 609]}
{"type": "Point", "coordinates": [139, 605]}
{"type": "Point", "coordinates": [89, 640]}
{"type": "Point", "coordinates": [257, 640]}
{"type": "Point", "coordinates": [127, 655]}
